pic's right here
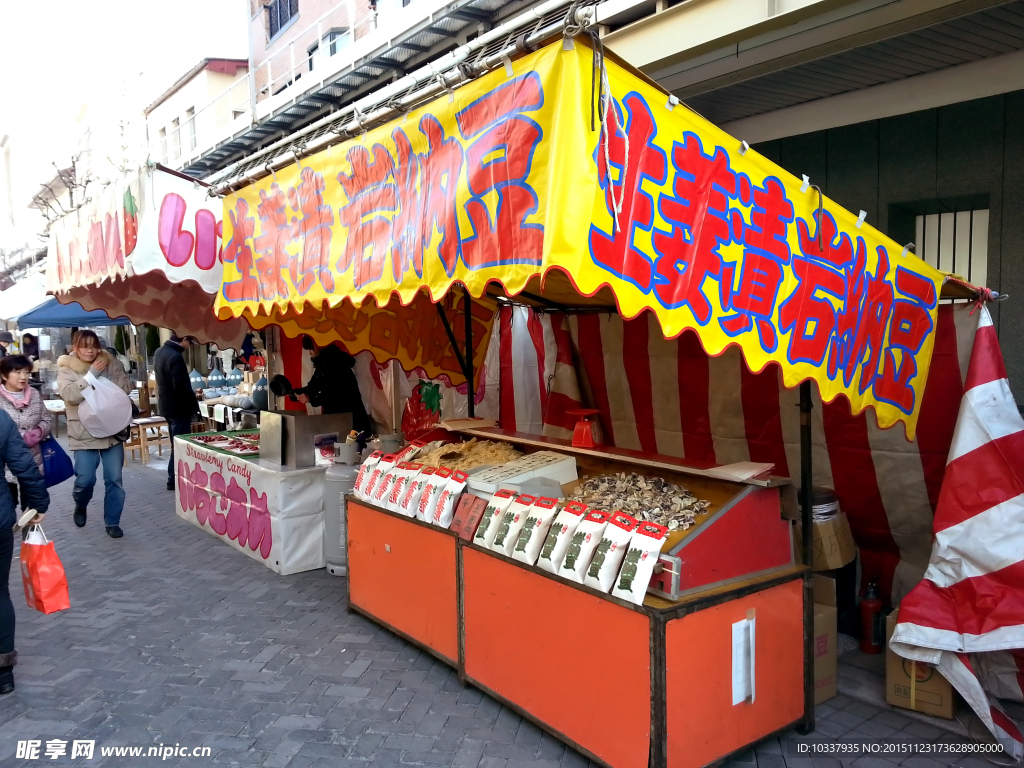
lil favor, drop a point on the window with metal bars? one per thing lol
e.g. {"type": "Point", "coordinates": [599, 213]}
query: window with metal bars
{"type": "Point", "coordinates": [279, 14]}
{"type": "Point", "coordinates": [955, 242]}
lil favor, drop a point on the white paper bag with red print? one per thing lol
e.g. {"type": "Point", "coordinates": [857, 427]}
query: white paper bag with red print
{"type": "Point", "coordinates": [411, 498]}
{"type": "Point", "coordinates": [431, 493]}
{"type": "Point", "coordinates": [496, 507]}
{"type": "Point", "coordinates": [610, 552]}
{"type": "Point", "coordinates": [582, 545]}
{"type": "Point", "coordinates": [409, 470]}
{"type": "Point", "coordinates": [365, 470]}
{"type": "Point", "coordinates": [383, 486]}
{"type": "Point", "coordinates": [638, 566]}
{"type": "Point", "coordinates": [444, 512]}
{"type": "Point", "coordinates": [532, 535]}
{"type": "Point", "coordinates": [560, 534]}
{"type": "Point", "coordinates": [511, 523]}
{"type": "Point", "coordinates": [387, 461]}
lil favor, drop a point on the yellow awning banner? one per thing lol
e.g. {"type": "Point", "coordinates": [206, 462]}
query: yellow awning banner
{"type": "Point", "coordinates": [507, 180]}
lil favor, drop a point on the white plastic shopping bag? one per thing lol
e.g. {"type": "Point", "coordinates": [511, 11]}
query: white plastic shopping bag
{"type": "Point", "coordinates": [107, 410]}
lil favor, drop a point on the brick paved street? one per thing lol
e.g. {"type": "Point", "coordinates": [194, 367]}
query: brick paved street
{"type": "Point", "coordinates": [173, 638]}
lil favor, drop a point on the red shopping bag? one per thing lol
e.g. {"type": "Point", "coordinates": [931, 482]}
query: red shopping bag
{"type": "Point", "coordinates": [46, 586]}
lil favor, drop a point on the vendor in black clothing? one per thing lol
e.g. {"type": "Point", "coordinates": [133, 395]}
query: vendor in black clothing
{"type": "Point", "coordinates": [333, 384]}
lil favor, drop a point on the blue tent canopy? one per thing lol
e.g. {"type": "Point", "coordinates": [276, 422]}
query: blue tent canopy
{"type": "Point", "coordinates": [53, 314]}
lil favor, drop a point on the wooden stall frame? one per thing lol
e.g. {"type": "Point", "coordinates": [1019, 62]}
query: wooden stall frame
{"type": "Point", "coordinates": [658, 617]}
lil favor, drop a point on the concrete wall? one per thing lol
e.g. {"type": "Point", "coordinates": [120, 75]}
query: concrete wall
{"type": "Point", "coordinates": [969, 154]}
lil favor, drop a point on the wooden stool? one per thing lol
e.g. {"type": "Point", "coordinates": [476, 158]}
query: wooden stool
{"type": "Point", "coordinates": [136, 442]}
{"type": "Point", "coordinates": [160, 435]}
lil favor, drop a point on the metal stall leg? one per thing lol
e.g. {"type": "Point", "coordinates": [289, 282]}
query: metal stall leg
{"type": "Point", "coordinates": [808, 542]}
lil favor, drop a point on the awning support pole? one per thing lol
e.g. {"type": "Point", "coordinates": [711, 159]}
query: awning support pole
{"type": "Point", "coordinates": [806, 501]}
{"type": "Point", "coordinates": [470, 389]}
{"type": "Point", "coordinates": [455, 344]}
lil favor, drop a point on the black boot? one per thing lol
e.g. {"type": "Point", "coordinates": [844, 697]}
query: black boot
{"type": "Point", "coordinates": [80, 516]}
{"type": "Point", "coordinates": [7, 662]}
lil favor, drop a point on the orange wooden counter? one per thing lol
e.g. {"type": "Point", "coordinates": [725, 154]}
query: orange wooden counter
{"type": "Point", "coordinates": [630, 686]}
{"type": "Point", "coordinates": [402, 575]}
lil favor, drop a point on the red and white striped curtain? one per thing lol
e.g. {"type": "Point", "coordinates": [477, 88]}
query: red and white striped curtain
{"type": "Point", "coordinates": [967, 616]}
{"type": "Point", "coordinates": [669, 397]}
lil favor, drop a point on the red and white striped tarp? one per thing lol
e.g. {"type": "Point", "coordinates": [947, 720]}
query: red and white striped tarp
{"type": "Point", "coordinates": [669, 397]}
{"type": "Point", "coordinates": [967, 616]}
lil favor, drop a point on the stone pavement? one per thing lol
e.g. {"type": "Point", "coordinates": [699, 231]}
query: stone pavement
{"type": "Point", "coordinates": [175, 639]}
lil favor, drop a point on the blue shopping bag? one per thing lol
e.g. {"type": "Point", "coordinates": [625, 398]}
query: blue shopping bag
{"type": "Point", "coordinates": [57, 465]}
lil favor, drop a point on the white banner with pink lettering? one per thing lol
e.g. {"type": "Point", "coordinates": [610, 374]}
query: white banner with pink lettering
{"type": "Point", "coordinates": [275, 515]}
{"type": "Point", "coordinates": [147, 249]}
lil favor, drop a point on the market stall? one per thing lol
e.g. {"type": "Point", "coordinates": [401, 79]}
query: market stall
{"type": "Point", "coordinates": [146, 249]}
{"type": "Point", "coordinates": [272, 513]}
{"type": "Point", "coordinates": [530, 187]}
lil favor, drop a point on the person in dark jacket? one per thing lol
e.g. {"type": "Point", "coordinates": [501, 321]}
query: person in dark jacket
{"type": "Point", "coordinates": [6, 339]}
{"type": "Point", "coordinates": [175, 398]}
{"type": "Point", "coordinates": [15, 456]}
{"type": "Point", "coordinates": [333, 384]}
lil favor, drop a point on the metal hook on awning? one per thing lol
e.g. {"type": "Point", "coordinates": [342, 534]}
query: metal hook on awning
{"type": "Point", "coordinates": [271, 171]}
{"type": "Point", "coordinates": [358, 117]}
{"type": "Point", "coordinates": [439, 77]}
{"type": "Point", "coordinates": [821, 209]}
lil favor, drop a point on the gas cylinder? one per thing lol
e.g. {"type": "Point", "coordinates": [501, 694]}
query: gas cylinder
{"type": "Point", "coordinates": [872, 622]}
{"type": "Point", "coordinates": [340, 480]}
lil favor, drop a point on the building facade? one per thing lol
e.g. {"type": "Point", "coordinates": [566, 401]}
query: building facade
{"type": "Point", "coordinates": [208, 102]}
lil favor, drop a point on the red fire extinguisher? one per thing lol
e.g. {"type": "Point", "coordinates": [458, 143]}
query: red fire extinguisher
{"type": "Point", "coordinates": [872, 625]}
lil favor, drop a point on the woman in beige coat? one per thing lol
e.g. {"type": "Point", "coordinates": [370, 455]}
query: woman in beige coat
{"type": "Point", "coordinates": [76, 372]}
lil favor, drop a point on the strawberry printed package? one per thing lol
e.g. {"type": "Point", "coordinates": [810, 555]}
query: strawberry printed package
{"type": "Point", "coordinates": [559, 535]}
{"type": "Point", "coordinates": [496, 507]}
{"type": "Point", "coordinates": [410, 500]}
{"type": "Point", "coordinates": [610, 552]}
{"type": "Point", "coordinates": [365, 470]}
{"type": "Point", "coordinates": [535, 530]}
{"type": "Point", "coordinates": [511, 523]}
{"type": "Point", "coordinates": [407, 471]}
{"type": "Point", "coordinates": [582, 545]}
{"type": "Point", "coordinates": [444, 512]}
{"type": "Point", "coordinates": [436, 483]}
{"type": "Point", "coordinates": [638, 566]}
{"type": "Point", "coordinates": [385, 465]}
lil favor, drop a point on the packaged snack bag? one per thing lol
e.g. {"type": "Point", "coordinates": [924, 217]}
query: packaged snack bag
{"type": "Point", "coordinates": [582, 545]}
{"type": "Point", "coordinates": [408, 471]}
{"type": "Point", "coordinates": [638, 566]}
{"type": "Point", "coordinates": [387, 461]}
{"type": "Point", "coordinates": [467, 515]}
{"type": "Point", "coordinates": [493, 513]}
{"type": "Point", "coordinates": [511, 523]}
{"type": "Point", "coordinates": [365, 470]}
{"type": "Point", "coordinates": [445, 509]}
{"type": "Point", "coordinates": [379, 494]}
{"type": "Point", "coordinates": [560, 534]}
{"type": "Point", "coordinates": [431, 493]}
{"type": "Point", "coordinates": [610, 551]}
{"type": "Point", "coordinates": [414, 489]}
{"type": "Point", "coordinates": [535, 530]}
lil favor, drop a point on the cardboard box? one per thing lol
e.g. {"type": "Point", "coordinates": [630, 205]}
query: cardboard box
{"type": "Point", "coordinates": [825, 647]}
{"type": "Point", "coordinates": [833, 543]}
{"type": "Point", "coordinates": [931, 694]}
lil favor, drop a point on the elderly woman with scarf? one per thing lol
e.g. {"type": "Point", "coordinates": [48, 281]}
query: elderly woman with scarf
{"type": "Point", "coordinates": [25, 407]}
